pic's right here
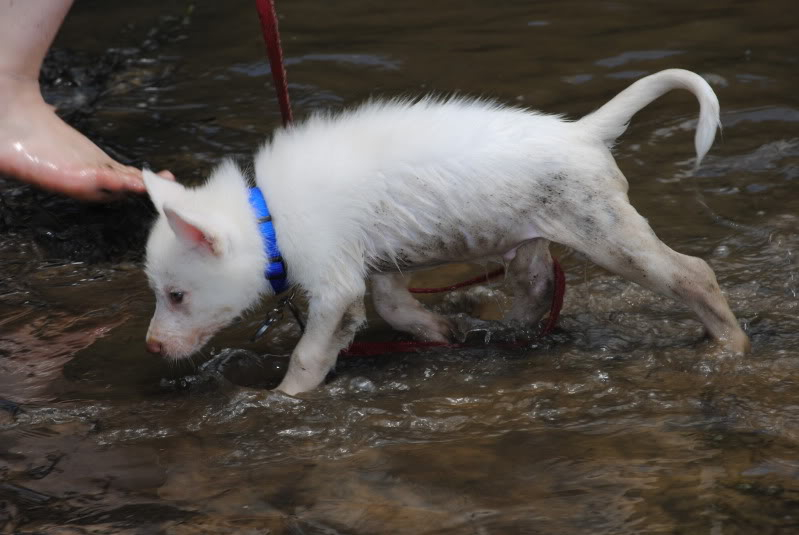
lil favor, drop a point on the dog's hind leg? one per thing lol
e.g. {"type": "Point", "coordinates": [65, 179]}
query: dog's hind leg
{"type": "Point", "coordinates": [403, 312]}
{"type": "Point", "coordinates": [611, 233]}
{"type": "Point", "coordinates": [531, 281]}
{"type": "Point", "coordinates": [331, 327]}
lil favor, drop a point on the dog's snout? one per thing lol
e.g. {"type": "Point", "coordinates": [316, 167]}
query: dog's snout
{"type": "Point", "coordinates": [154, 346]}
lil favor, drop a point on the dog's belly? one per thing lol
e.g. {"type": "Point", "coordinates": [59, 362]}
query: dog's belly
{"type": "Point", "coordinates": [454, 243]}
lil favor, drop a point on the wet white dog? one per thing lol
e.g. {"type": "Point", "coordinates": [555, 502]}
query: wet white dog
{"type": "Point", "coordinates": [396, 186]}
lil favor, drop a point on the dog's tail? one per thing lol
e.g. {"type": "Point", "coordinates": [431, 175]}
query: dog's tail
{"type": "Point", "coordinates": [611, 120]}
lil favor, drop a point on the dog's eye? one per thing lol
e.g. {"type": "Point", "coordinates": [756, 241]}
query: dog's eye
{"type": "Point", "coordinates": [176, 298]}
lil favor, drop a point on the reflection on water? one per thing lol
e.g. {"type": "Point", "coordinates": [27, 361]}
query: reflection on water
{"type": "Point", "coordinates": [623, 421]}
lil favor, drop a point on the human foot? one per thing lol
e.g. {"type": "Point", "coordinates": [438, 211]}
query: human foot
{"type": "Point", "coordinates": [37, 147]}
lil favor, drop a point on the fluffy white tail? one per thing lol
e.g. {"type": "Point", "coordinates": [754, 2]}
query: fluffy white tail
{"type": "Point", "coordinates": [611, 120]}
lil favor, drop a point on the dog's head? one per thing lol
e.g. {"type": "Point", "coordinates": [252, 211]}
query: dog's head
{"type": "Point", "coordinates": [205, 259]}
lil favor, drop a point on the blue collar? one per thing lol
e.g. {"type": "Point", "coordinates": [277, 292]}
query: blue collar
{"type": "Point", "coordinates": [275, 271]}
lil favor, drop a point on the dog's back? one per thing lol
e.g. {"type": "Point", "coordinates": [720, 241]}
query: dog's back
{"type": "Point", "coordinates": [453, 171]}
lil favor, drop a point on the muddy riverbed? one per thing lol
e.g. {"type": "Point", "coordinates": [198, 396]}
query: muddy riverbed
{"type": "Point", "coordinates": [623, 421]}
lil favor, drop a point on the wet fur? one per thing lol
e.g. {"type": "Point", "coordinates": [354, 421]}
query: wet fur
{"type": "Point", "coordinates": [398, 185]}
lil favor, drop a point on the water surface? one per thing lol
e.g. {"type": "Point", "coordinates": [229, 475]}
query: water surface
{"type": "Point", "coordinates": [624, 421]}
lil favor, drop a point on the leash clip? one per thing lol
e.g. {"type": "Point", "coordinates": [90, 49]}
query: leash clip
{"type": "Point", "coordinates": [276, 314]}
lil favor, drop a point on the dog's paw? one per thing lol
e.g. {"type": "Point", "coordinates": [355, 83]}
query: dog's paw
{"type": "Point", "coordinates": [435, 329]}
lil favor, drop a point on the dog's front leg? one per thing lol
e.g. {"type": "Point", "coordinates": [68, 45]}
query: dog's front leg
{"type": "Point", "coordinates": [331, 327]}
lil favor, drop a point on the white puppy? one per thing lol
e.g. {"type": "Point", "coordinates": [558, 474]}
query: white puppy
{"type": "Point", "coordinates": [396, 186]}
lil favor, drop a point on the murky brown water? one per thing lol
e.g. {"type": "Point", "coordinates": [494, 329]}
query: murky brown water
{"type": "Point", "coordinates": [623, 421]}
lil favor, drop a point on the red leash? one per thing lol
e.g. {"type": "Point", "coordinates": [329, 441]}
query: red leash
{"type": "Point", "coordinates": [268, 16]}
{"type": "Point", "coordinates": [369, 349]}
{"type": "Point", "coordinates": [557, 298]}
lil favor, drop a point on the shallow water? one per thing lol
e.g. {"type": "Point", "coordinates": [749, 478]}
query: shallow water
{"type": "Point", "coordinates": [623, 421]}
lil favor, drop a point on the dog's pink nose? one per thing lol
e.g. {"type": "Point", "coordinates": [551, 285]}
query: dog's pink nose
{"type": "Point", "coordinates": [154, 346]}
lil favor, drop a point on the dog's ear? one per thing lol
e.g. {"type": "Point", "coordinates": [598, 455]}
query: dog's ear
{"type": "Point", "coordinates": [161, 190]}
{"type": "Point", "coordinates": [188, 230]}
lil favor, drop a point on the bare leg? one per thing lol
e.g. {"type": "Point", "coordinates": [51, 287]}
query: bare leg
{"type": "Point", "coordinates": [404, 313]}
{"type": "Point", "coordinates": [617, 238]}
{"type": "Point", "coordinates": [532, 282]}
{"type": "Point", "coordinates": [36, 146]}
{"type": "Point", "coordinates": [330, 329]}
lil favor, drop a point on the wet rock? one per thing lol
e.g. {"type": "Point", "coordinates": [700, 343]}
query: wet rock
{"type": "Point", "coordinates": [361, 385]}
{"type": "Point", "coordinates": [8, 411]}
{"type": "Point", "coordinates": [67, 229]}
{"type": "Point", "coordinates": [6, 418]}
